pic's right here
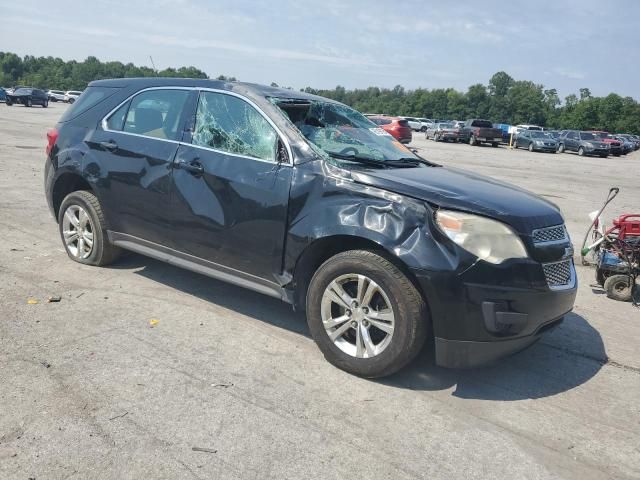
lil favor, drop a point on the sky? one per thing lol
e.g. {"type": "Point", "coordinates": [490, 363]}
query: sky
{"type": "Point", "coordinates": [563, 44]}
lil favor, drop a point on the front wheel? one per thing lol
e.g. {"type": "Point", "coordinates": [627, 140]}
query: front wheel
{"type": "Point", "coordinates": [494, 144]}
{"type": "Point", "coordinates": [9, 103]}
{"type": "Point", "coordinates": [71, 100]}
{"type": "Point", "coordinates": [561, 148]}
{"type": "Point", "coordinates": [83, 230]}
{"type": "Point", "coordinates": [581, 152]}
{"type": "Point", "coordinates": [365, 315]}
{"type": "Point", "coordinates": [531, 147]}
{"type": "Point", "coordinates": [472, 140]}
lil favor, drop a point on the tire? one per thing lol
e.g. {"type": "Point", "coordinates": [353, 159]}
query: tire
{"type": "Point", "coordinates": [581, 152]}
{"type": "Point", "coordinates": [71, 100]}
{"type": "Point", "coordinates": [101, 252]}
{"type": "Point", "coordinates": [45, 104]}
{"type": "Point", "coordinates": [531, 147]}
{"type": "Point", "coordinates": [396, 294]}
{"type": "Point", "coordinates": [436, 138]}
{"type": "Point", "coordinates": [472, 140]}
{"type": "Point", "coordinates": [618, 287]}
{"type": "Point", "coordinates": [29, 103]}
{"type": "Point", "coordinates": [561, 148]}
{"type": "Point", "coordinates": [54, 100]}
{"type": "Point", "coordinates": [9, 103]}
{"type": "Point", "coordinates": [604, 155]}
{"type": "Point", "coordinates": [494, 144]}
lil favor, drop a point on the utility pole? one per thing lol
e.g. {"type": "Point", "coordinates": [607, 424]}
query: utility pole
{"type": "Point", "coordinates": [153, 64]}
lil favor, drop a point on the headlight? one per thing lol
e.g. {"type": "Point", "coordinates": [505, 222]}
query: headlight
{"type": "Point", "coordinates": [589, 144]}
{"type": "Point", "coordinates": [539, 142]}
{"type": "Point", "coordinates": [487, 239]}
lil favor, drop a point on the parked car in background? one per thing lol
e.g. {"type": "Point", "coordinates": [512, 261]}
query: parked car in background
{"type": "Point", "coordinates": [615, 145]}
{"type": "Point", "coordinates": [554, 133]}
{"type": "Point", "coordinates": [628, 145]}
{"type": "Point", "coordinates": [28, 97]}
{"type": "Point", "coordinates": [585, 143]}
{"type": "Point", "coordinates": [55, 95]}
{"type": "Point", "coordinates": [426, 123]}
{"type": "Point", "coordinates": [477, 131]}
{"type": "Point", "coordinates": [634, 140]}
{"type": "Point", "coordinates": [536, 141]}
{"type": "Point", "coordinates": [506, 135]}
{"type": "Point", "coordinates": [396, 126]}
{"type": "Point", "coordinates": [446, 132]}
{"type": "Point", "coordinates": [381, 248]}
{"type": "Point", "coordinates": [71, 96]}
{"type": "Point", "coordinates": [414, 123]}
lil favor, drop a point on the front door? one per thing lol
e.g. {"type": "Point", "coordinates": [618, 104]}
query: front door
{"type": "Point", "coordinates": [136, 147]}
{"type": "Point", "coordinates": [231, 188]}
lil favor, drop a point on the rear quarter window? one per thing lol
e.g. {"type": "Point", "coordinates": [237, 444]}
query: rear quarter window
{"type": "Point", "coordinates": [89, 98]}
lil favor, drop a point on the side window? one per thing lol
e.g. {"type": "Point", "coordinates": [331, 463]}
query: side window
{"type": "Point", "coordinates": [154, 113]}
{"type": "Point", "coordinates": [116, 120]}
{"type": "Point", "coordinates": [572, 135]}
{"type": "Point", "coordinates": [228, 123]}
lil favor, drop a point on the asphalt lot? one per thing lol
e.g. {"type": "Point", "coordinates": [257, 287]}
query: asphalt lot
{"type": "Point", "coordinates": [90, 389]}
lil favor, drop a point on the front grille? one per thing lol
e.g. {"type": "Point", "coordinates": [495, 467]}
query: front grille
{"type": "Point", "coordinates": [556, 233]}
{"type": "Point", "coordinates": [558, 274]}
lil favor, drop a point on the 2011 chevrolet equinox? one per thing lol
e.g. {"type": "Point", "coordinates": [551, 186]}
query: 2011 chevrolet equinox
{"type": "Point", "coordinates": [303, 198]}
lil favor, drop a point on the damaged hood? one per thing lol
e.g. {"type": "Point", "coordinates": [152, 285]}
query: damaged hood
{"type": "Point", "coordinates": [457, 189]}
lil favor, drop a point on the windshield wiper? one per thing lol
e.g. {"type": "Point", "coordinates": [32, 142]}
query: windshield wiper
{"type": "Point", "coordinates": [418, 159]}
{"type": "Point", "coordinates": [370, 161]}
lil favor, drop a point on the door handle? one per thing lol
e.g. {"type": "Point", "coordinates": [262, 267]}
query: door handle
{"type": "Point", "coordinates": [194, 167]}
{"type": "Point", "coordinates": [110, 145]}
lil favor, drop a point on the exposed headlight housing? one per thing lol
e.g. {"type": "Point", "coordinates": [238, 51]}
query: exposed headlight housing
{"type": "Point", "coordinates": [487, 239]}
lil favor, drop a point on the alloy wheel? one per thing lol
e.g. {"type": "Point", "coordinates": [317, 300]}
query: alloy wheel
{"type": "Point", "coordinates": [357, 315]}
{"type": "Point", "coordinates": [78, 231]}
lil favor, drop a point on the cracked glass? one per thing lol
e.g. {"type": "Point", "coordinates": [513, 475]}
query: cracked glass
{"type": "Point", "coordinates": [228, 123]}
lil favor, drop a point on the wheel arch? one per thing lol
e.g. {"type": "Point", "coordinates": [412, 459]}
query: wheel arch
{"type": "Point", "coordinates": [321, 249]}
{"type": "Point", "coordinates": [64, 185]}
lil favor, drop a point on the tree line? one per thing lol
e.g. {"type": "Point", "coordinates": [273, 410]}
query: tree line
{"type": "Point", "coordinates": [502, 100]}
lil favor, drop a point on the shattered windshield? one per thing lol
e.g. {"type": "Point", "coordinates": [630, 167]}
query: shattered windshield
{"type": "Point", "coordinates": [339, 130]}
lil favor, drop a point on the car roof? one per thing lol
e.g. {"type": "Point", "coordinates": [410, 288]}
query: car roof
{"type": "Point", "coordinates": [253, 88]}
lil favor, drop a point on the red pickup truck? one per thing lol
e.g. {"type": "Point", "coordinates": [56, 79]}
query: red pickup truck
{"type": "Point", "coordinates": [477, 131]}
{"type": "Point", "coordinates": [615, 145]}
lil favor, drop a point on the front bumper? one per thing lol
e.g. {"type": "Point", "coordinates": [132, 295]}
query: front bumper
{"type": "Point", "coordinates": [597, 151]}
{"type": "Point", "coordinates": [477, 322]}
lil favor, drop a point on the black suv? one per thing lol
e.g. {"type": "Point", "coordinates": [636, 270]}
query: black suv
{"type": "Point", "coordinates": [304, 199]}
{"type": "Point", "coordinates": [28, 97]}
{"type": "Point", "coordinates": [585, 143]}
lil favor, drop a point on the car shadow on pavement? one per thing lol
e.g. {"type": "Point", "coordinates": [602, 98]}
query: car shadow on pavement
{"type": "Point", "coordinates": [240, 300]}
{"type": "Point", "coordinates": [562, 359]}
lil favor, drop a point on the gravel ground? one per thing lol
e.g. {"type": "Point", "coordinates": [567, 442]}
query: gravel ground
{"type": "Point", "coordinates": [89, 388]}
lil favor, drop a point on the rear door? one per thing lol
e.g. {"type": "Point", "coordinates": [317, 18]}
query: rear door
{"type": "Point", "coordinates": [134, 149]}
{"type": "Point", "coordinates": [571, 141]}
{"type": "Point", "coordinates": [231, 187]}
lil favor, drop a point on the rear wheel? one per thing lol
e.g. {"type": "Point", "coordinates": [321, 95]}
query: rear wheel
{"type": "Point", "coordinates": [71, 100]}
{"type": "Point", "coordinates": [365, 315]}
{"type": "Point", "coordinates": [494, 144]}
{"type": "Point", "coordinates": [29, 103]}
{"type": "Point", "coordinates": [83, 230]}
{"type": "Point", "coordinates": [472, 140]}
{"type": "Point", "coordinates": [604, 155]}
{"type": "Point", "coordinates": [45, 104]}
{"type": "Point", "coordinates": [618, 287]}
